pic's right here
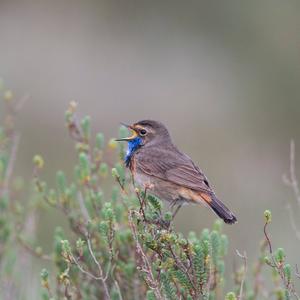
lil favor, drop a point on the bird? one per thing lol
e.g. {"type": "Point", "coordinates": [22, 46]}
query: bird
{"type": "Point", "coordinates": [155, 162]}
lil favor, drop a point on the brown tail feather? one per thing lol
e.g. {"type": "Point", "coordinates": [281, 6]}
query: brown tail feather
{"type": "Point", "coordinates": [222, 211]}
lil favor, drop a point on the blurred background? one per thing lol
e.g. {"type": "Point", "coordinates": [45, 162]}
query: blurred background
{"type": "Point", "coordinates": [224, 76]}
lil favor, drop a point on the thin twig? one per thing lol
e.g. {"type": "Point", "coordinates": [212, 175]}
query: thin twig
{"type": "Point", "coordinates": [244, 258]}
{"type": "Point", "coordinates": [124, 192]}
{"type": "Point", "coordinates": [292, 182]}
{"type": "Point", "coordinates": [267, 238]}
{"type": "Point", "coordinates": [74, 260]}
{"type": "Point", "coordinates": [121, 185]}
{"type": "Point", "coordinates": [83, 208]}
{"type": "Point", "coordinates": [99, 268]}
{"type": "Point", "coordinates": [31, 250]}
{"type": "Point", "coordinates": [118, 289]}
{"type": "Point", "coordinates": [297, 272]}
{"type": "Point", "coordinates": [292, 220]}
{"type": "Point", "coordinates": [89, 274]}
{"type": "Point", "coordinates": [293, 179]}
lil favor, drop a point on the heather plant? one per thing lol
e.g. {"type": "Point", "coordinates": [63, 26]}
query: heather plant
{"type": "Point", "coordinates": [121, 244]}
{"type": "Point", "coordinates": [124, 246]}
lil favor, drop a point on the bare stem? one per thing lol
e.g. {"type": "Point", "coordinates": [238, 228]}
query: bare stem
{"type": "Point", "coordinates": [297, 272]}
{"type": "Point", "coordinates": [83, 209]}
{"type": "Point", "coordinates": [268, 239]}
{"type": "Point", "coordinates": [292, 182]}
{"type": "Point", "coordinates": [245, 259]}
{"type": "Point", "coordinates": [82, 270]}
{"type": "Point", "coordinates": [101, 277]}
{"type": "Point", "coordinates": [292, 220]}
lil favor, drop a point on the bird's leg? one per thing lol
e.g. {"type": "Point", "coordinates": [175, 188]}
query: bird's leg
{"type": "Point", "coordinates": [142, 212]}
{"type": "Point", "coordinates": [176, 210]}
{"type": "Point", "coordinates": [147, 186]}
{"type": "Point", "coordinates": [172, 204]}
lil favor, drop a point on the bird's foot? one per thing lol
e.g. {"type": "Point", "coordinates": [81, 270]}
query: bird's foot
{"type": "Point", "coordinates": [163, 223]}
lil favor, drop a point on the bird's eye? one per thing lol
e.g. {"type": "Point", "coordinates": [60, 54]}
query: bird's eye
{"type": "Point", "coordinates": [143, 132]}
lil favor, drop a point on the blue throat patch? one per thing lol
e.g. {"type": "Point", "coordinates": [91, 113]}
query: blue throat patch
{"type": "Point", "coordinates": [132, 146]}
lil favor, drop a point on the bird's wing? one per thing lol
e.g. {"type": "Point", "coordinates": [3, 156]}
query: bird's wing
{"type": "Point", "coordinates": [175, 167]}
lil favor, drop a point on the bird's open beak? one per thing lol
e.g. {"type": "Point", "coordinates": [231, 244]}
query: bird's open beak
{"type": "Point", "coordinates": [130, 138]}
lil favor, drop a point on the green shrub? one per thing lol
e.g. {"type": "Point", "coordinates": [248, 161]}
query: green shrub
{"type": "Point", "coordinates": [122, 245]}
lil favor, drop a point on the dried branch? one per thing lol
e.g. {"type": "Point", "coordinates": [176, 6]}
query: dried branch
{"type": "Point", "coordinates": [245, 259]}
{"type": "Point", "coordinates": [292, 182]}
{"type": "Point", "coordinates": [101, 277]}
{"type": "Point", "coordinates": [82, 270]}
{"type": "Point", "coordinates": [292, 220]}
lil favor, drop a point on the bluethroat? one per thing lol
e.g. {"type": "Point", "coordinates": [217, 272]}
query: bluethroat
{"type": "Point", "coordinates": [169, 174]}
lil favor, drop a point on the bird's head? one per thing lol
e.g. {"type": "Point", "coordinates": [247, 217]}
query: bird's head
{"type": "Point", "coordinates": [147, 132]}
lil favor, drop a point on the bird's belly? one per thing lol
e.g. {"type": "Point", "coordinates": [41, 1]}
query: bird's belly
{"type": "Point", "coordinates": [162, 189]}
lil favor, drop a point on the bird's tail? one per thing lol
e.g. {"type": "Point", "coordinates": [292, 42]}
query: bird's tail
{"type": "Point", "coordinates": [222, 211]}
{"type": "Point", "coordinates": [219, 208]}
